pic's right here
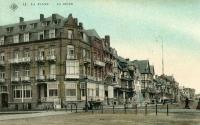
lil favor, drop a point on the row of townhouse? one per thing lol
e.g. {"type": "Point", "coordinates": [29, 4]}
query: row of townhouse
{"type": "Point", "coordinates": [55, 61]}
{"type": "Point", "coordinates": [186, 92]}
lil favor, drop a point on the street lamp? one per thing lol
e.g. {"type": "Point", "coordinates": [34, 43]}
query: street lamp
{"type": "Point", "coordinates": [86, 101]}
{"type": "Point", "coordinates": [163, 88]}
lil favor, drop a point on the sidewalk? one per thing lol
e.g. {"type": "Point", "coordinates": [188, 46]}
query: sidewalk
{"type": "Point", "coordinates": [20, 115]}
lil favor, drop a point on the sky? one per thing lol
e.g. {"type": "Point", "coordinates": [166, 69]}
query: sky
{"type": "Point", "coordinates": [136, 27]}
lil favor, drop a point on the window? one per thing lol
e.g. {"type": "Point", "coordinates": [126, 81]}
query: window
{"type": "Point", "coordinates": [2, 75]}
{"type": "Point", "coordinates": [16, 74]}
{"type": "Point", "coordinates": [26, 37]}
{"type": "Point", "coordinates": [27, 54]}
{"type": "Point", "coordinates": [33, 25]}
{"type": "Point", "coordinates": [27, 71]}
{"type": "Point", "coordinates": [97, 90]}
{"type": "Point", "coordinates": [3, 88]}
{"type": "Point", "coordinates": [27, 91]}
{"type": "Point", "coordinates": [41, 52]}
{"type": "Point", "coordinates": [70, 92]}
{"type": "Point", "coordinates": [52, 69]}
{"type": "Point", "coordinates": [16, 55]}
{"type": "Point", "coordinates": [52, 33]}
{"type": "Point", "coordinates": [2, 57]}
{"type": "Point", "coordinates": [9, 29]}
{"type": "Point", "coordinates": [22, 27]}
{"type": "Point", "coordinates": [52, 51]}
{"type": "Point", "coordinates": [72, 67]}
{"type": "Point", "coordinates": [70, 52]}
{"type": "Point", "coordinates": [22, 91]}
{"type": "Point", "coordinates": [84, 53]}
{"type": "Point", "coordinates": [53, 92]}
{"type": "Point", "coordinates": [41, 70]}
{"type": "Point", "coordinates": [2, 40]}
{"type": "Point", "coordinates": [41, 35]}
{"type": "Point", "coordinates": [46, 23]}
{"type": "Point", "coordinates": [69, 34]}
{"type": "Point", "coordinates": [16, 39]}
{"type": "Point", "coordinates": [57, 21]}
{"type": "Point", "coordinates": [85, 38]}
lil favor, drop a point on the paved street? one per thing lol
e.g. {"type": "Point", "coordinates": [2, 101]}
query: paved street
{"type": "Point", "coordinates": [64, 118]}
{"type": "Point", "coordinates": [19, 115]}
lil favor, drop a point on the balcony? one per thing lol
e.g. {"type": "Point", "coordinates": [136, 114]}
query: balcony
{"type": "Point", "coordinates": [91, 78]}
{"type": "Point", "coordinates": [25, 79]}
{"type": "Point", "coordinates": [72, 76]}
{"type": "Point", "coordinates": [51, 58]}
{"type": "Point", "coordinates": [2, 80]}
{"type": "Point", "coordinates": [110, 74]}
{"type": "Point", "coordinates": [98, 79]}
{"type": "Point", "coordinates": [40, 77]}
{"type": "Point", "coordinates": [2, 63]}
{"type": "Point", "coordinates": [99, 63]}
{"type": "Point", "coordinates": [51, 77]}
{"type": "Point", "coordinates": [25, 60]}
{"type": "Point", "coordinates": [39, 59]}
{"type": "Point", "coordinates": [15, 79]}
{"type": "Point", "coordinates": [86, 60]}
{"type": "Point", "coordinates": [108, 60]}
{"type": "Point", "coordinates": [15, 61]}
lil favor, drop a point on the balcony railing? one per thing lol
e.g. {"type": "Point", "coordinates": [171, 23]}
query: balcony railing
{"type": "Point", "coordinates": [110, 73]}
{"type": "Point", "coordinates": [15, 60]}
{"type": "Point", "coordinates": [72, 76]}
{"type": "Point", "coordinates": [98, 79]}
{"type": "Point", "coordinates": [99, 63]}
{"type": "Point", "coordinates": [2, 80]}
{"type": "Point", "coordinates": [39, 58]}
{"type": "Point", "coordinates": [51, 77]}
{"type": "Point", "coordinates": [15, 79]}
{"type": "Point", "coordinates": [25, 60]}
{"type": "Point", "coordinates": [108, 60]}
{"type": "Point", "coordinates": [51, 58]}
{"type": "Point", "coordinates": [2, 63]}
{"type": "Point", "coordinates": [86, 60]}
{"type": "Point", "coordinates": [25, 78]}
{"type": "Point", "coordinates": [40, 77]}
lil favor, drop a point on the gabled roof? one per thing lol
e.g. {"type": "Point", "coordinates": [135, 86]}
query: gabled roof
{"type": "Point", "coordinates": [92, 33]}
{"type": "Point", "coordinates": [152, 69]}
{"type": "Point", "coordinates": [142, 65]}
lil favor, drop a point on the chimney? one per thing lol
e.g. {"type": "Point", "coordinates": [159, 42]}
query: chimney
{"type": "Point", "coordinates": [107, 38]}
{"type": "Point", "coordinates": [127, 59]}
{"type": "Point", "coordinates": [53, 16]}
{"type": "Point", "coordinates": [76, 21]}
{"type": "Point", "coordinates": [81, 25]}
{"type": "Point", "coordinates": [21, 19]}
{"type": "Point", "coordinates": [41, 17]}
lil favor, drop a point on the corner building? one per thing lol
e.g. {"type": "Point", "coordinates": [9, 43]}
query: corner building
{"type": "Point", "coordinates": [44, 62]}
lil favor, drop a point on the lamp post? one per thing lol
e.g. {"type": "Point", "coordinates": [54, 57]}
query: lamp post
{"type": "Point", "coordinates": [86, 101]}
{"type": "Point", "coordinates": [163, 88]}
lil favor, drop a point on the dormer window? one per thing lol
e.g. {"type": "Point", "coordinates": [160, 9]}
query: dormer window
{"type": "Point", "coordinates": [46, 23]}
{"type": "Point", "coordinates": [9, 29]}
{"type": "Point", "coordinates": [33, 25]}
{"type": "Point", "coordinates": [57, 21]}
{"type": "Point", "coordinates": [2, 40]}
{"type": "Point", "coordinates": [22, 27]}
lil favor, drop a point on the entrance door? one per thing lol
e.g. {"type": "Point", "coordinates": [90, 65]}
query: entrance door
{"type": "Point", "coordinates": [42, 92]}
{"type": "Point", "coordinates": [4, 100]}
